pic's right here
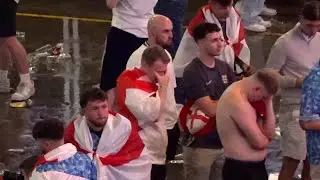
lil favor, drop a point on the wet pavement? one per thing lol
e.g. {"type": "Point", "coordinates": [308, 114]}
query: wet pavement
{"type": "Point", "coordinates": [57, 94]}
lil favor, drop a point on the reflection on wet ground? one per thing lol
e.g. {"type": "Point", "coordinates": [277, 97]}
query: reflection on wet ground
{"type": "Point", "coordinates": [57, 92]}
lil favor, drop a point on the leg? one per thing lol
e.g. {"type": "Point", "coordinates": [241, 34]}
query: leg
{"type": "Point", "coordinates": [306, 171]}
{"type": "Point", "coordinates": [198, 162]}
{"type": "Point", "coordinates": [115, 59]}
{"type": "Point", "coordinates": [158, 172]}
{"type": "Point", "coordinates": [4, 66]}
{"type": "Point", "coordinates": [249, 11]}
{"type": "Point", "coordinates": [174, 10]}
{"type": "Point", "coordinates": [173, 138]}
{"type": "Point", "coordinates": [315, 172]}
{"type": "Point", "coordinates": [293, 141]}
{"type": "Point", "coordinates": [18, 54]}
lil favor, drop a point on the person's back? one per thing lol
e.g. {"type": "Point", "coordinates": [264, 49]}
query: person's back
{"type": "Point", "coordinates": [60, 161]}
{"type": "Point", "coordinates": [234, 142]}
{"type": "Point", "coordinates": [66, 165]}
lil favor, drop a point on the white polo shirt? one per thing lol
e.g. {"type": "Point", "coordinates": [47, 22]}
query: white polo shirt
{"type": "Point", "coordinates": [294, 54]}
{"type": "Point", "coordinates": [132, 16]}
{"type": "Point", "coordinates": [170, 112]}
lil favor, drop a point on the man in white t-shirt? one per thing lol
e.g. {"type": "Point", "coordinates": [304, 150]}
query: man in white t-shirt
{"type": "Point", "coordinates": [11, 48]}
{"type": "Point", "coordinates": [160, 33]}
{"type": "Point", "coordinates": [128, 31]}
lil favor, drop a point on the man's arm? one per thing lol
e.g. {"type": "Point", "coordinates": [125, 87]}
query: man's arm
{"type": "Point", "coordinates": [207, 106]}
{"type": "Point", "coordinates": [246, 120]}
{"type": "Point", "coordinates": [112, 3]}
{"type": "Point", "coordinates": [269, 124]}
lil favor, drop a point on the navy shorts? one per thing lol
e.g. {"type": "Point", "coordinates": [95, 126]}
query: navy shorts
{"type": "Point", "coordinates": [8, 10]}
{"type": "Point", "coordinates": [119, 47]}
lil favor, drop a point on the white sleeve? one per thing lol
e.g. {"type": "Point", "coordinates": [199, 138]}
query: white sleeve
{"type": "Point", "coordinates": [134, 60]}
{"type": "Point", "coordinates": [143, 105]}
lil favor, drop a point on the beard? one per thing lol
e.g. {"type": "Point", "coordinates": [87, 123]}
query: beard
{"type": "Point", "coordinates": [164, 44]}
{"type": "Point", "coordinates": [101, 122]}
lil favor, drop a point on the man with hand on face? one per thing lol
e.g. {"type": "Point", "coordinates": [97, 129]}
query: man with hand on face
{"type": "Point", "coordinates": [244, 134]}
{"type": "Point", "coordinates": [293, 55]}
{"type": "Point", "coordinates": [160, 33]}
{"type": "Point", "coordinates": [60, 161]}
{"type": "Point", "coordinates": [109, 139]}
{"type": "Point", "coordinates": [142, 96]}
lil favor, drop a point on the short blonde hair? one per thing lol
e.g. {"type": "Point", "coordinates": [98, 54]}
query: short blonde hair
{"type": "Point", "coordinates": [270, 79]}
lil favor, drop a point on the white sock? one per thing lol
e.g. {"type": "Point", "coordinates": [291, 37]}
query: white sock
{"type": "Point", "coordinates": [3, 74]}
{"type": "Point", "coordinates": [25, 78]}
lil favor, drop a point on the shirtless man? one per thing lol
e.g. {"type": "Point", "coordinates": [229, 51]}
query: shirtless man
{"type": "Point", "coordinates": [244, 133]}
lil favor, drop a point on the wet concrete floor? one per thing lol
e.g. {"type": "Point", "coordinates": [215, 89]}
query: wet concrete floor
{"type": "Point", "coordinates": [57, 95]}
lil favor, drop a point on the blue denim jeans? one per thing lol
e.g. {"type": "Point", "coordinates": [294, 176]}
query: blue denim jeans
{"type": "Point", "coordinates": [174, 10]}
{"type": "Point", "coordinates": [250, 11]}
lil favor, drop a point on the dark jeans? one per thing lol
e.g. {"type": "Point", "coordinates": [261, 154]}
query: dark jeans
{"type": "Point", "coordinates": [244, 170]}
{"type": "Point", "coordinates": [173, 138]}
{"type": "Point", "coordinates": [174, 10]}
{"type": "Point", "coordinates": [158, 172]}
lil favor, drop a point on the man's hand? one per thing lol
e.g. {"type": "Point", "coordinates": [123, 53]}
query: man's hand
{"type": "Point", "coordinates": [163, 80]}
{"type": "Point", "coordinates": [248, 70]}
{"type": "Point", "coordinates": [299, 82]}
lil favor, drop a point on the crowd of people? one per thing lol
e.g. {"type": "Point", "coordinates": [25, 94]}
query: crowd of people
{"type": "Point", "coordinates": [155, 90]}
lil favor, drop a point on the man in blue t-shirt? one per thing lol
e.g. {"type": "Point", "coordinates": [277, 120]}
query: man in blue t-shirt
{"type": "Point", "coordinates": [310, 120]}
{"type": "Point", "coordinates": [205, 79]}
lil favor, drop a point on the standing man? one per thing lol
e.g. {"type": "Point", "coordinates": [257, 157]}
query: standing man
{"type": "Point", "coordinates": [160, 33]}
{"type": "Point", "coordinates": [205, 79]}
{"type": "Point", "coordinates": [128, 31]}
{"type": "Point", "coordinates": [109, 139]}
{"type": "Point", "coordinates": [60, 161]}
{"type": "Point", "coordinates": [293, 55]}
{"type": "Point", "coordinates": [11, 48]}
{"type": "Point", "coordinates": [310, 120]}
{"type": "Point", "coordinates": [235, 53]}
{"type": "Point", "coordinates": [243, 133]}
{"type": "Point", "coordinates": [174, 10]}
{"type": "Point", "coordinates": [142, 96]}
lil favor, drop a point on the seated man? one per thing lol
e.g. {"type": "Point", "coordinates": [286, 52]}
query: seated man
{"type": "Point", "coordinates": [60, 161]}
{"type": "Point", "coordinates": [160, 33]}
{"type": "Point", "coordinates": [243, 134]}
{"type": "Point", "coordinates": [236, 51]}
{"type": "Point", "coordinates": [310, 120]}
{"type": "Point", "coordinates": [109, 139]}
{"type": "Point", "coordinates": [142, 95]}
{"type": "Point", "coordinates": [205, 79]}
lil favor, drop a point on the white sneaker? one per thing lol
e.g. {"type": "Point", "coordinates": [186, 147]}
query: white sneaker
{"type": "Point", "coordinates": [256, 27]}
{"type": "Point", "coordinates": [266, 24]}
{"type": "Point", "coordinates": [268, 11]}
{"type": "Point", "coordinates": [24, 91]}
{"type": "Point", "coordinates": [4, 85]}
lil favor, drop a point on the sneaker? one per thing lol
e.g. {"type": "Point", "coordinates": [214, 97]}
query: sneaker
{"type": "Point", "coordinates": [4, 85]}
{"type": "Point", "coordinates": [256, 27]}
{"type": "Point", "coordinates": [24, 91]}
{"type": "Point", "coordinates": [268, 11]}
{"type": "Point", "coordinates": [266, 24]}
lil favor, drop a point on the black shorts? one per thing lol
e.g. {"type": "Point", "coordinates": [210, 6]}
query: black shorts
{"type": "Point", "coordinates": [8, 10]}
{"type": "Point", "coordinates": [244, 170]}
{"type": "Point", "coordinates": [119, 47]}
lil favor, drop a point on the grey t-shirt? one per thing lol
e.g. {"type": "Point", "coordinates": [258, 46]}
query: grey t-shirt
{"type": "Point", "coordinates": [200, 81]}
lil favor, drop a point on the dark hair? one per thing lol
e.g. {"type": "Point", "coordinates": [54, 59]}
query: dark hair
{"type": "Point", "coordinates": [270, 79]}
{"type": "Point", "coordinates": [311, 11]}
{"type": "Point", "coordinates": [202, 29]}
{"type": "Point", "coordinates": [29, 164]}
{"type": "Point", "coordinates": [154, 53]}
{"type": "Point", "coordinates": [48, 129]}
{"type": "Point", "coordinates": [223, 3]}
{"type": "Point", "coordinates": [92, 94]}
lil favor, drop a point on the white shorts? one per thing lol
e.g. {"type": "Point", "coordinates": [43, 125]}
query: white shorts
{"type": "Point", "coordinates": [293, 138]}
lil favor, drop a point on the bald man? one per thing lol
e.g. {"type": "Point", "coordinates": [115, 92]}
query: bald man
{"type": "Point", "coordinates": [160, 33]}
